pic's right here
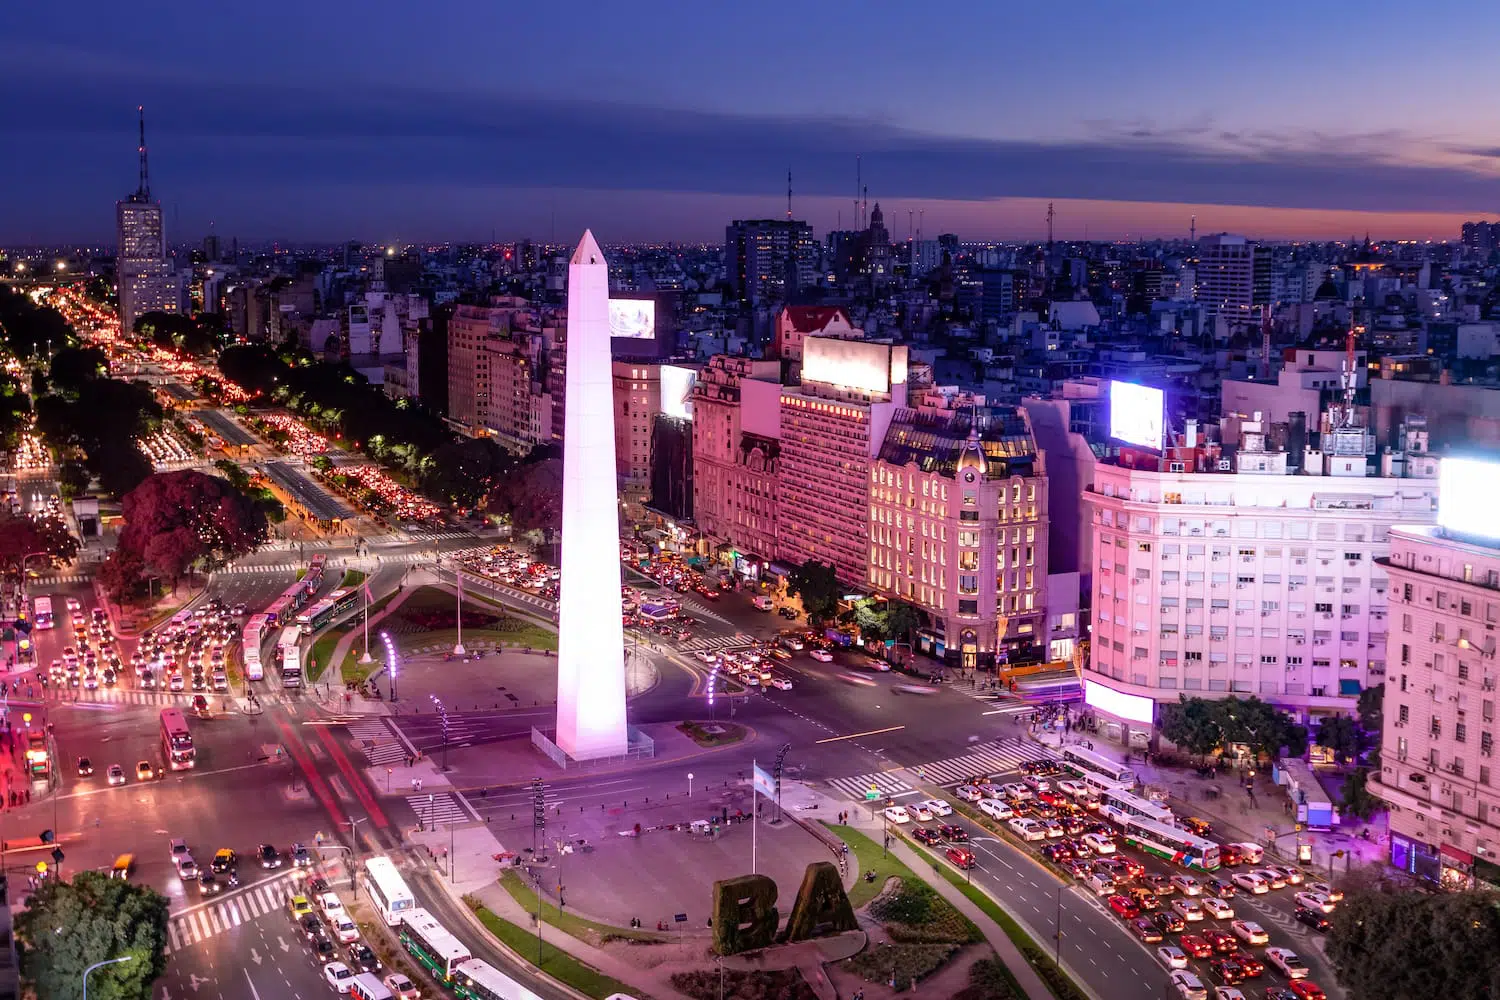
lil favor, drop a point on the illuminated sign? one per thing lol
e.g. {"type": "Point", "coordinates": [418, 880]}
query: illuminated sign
{"type": "Point", "coordinates": [632, 319]}
{"type": "Point", "coordinates": [853, 364]}
{"type": "Point", "coordinates": [677, 391]}
{"type": "Point", "coordinates": [1131, 707]}
{"type": "Point", "coordinates": [1136, 414]}
{"type": "Point", "coordinates": [1466, 489]}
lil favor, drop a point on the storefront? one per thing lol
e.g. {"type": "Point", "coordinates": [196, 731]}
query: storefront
{"type": "Point", "coordinates": [1416, 858]}
{"type": "Point", "coordinates": [1457, 868]}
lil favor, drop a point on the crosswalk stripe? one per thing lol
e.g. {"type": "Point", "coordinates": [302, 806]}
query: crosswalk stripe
{"type": "Point", "coordinates": [174, 937]}
{"type": "Point", "coordinates": [1004, 755]}
{"type": "Point", "coordinates": [717, 642]}
{"type": "Point", "coordinates": [443, 810]}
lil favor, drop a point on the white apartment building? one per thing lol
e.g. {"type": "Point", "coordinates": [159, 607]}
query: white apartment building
{"type": "Point", "coordinates": [1438, 771]}
{"type": "Point", "coordinates": [1226, 274]}
{"type": "Point", "coordinates": [1216, 583]}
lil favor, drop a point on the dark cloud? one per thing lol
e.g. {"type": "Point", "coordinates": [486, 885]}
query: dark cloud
{"type": "Point", "coordinates": [212, 137]}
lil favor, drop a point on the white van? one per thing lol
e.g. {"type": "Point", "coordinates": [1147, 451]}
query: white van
{"type": "Point", "coordinates": [1251, 853]}
{"type": "Point", "coordinates": [760, 602]}
{"type": "Point", "coordinates": [1100, 883]}
{"type": "Point", "coordinates": [367, 986]}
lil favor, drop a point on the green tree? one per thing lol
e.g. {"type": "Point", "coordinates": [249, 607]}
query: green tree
{"type": "Point", "coordinates": [1394, 945]}
{"type": "Point", "coordinates": [818, 587]}
{"type": "Point", "coordinates": [73, 479]}
{"type": "Point", "coordinates": [1194, 724]}
{"type": "Point", "coordinates": [1371, 708]}
{"type": "Point", "coordinates": [68, 926]}
{"type": "Point", "coordinates": [234, 472]}
{"type": "Point", "coordinates": [1263, 727]}
{"type": "Point", "coordinates": [901, 620]}
{"type": "Point", "coordinates": [74, 368]}
{"type": "Point", "coordinates": [1341, 735]}
{"type": "Point", "coordinates": [870, 618]}
{"type": "Point", "coordinates": [1356, 799]}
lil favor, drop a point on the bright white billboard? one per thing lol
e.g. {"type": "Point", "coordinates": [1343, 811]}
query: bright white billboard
{"type": "Point", "coordinates": [1467, 492]}
{"type": "Point", "coordinates": [1130, 707]}
{"type": "Point", "coordinates": [1136, 414]}
{"type": "Point", "coordinates": [677, 391]}
{"type": "Point", "coordinates": [854, 364]}
{"type": "Point", "coordinates": [632, 319]}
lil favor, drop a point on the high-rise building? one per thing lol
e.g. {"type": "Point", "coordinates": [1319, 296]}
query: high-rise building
{"type": "Point", "coordinates": [1215, 576]}
{"type": "Point", "coordinates": [736, 451]}
{"type": "Point", "coordinates": [958, 526]}
{"type": "Point", "coordinates": [147, 281]}
{"type": "Point", "coordinates": [1226, 275]}
{"type": "Point", "coordinates": [637, 388]}
{"type": "Point", "coordinates": [832, 427]}
{"type": "Point", "coordinates": [1482, 236]}
{"type": "Point", "coordinates": [760, 254]}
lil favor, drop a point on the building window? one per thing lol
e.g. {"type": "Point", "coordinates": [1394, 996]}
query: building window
{"type": "Point", "coordinates": [966, 607]}
{"type": "Point", "coordinates": [1460, 733]}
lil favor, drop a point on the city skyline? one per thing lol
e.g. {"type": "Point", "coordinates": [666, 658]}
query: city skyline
{"type": "Point", "coordinates": [396, 127]}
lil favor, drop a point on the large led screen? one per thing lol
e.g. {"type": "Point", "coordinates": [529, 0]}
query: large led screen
{"type": "Point", "coordinates": [1136, 414]}
{"type": "Point", "coordinates": [1466, 489]}
{"type": "Point", "coordinates": [677, 391]}
{"type": "Point", "coordinates": [1131, 707]}
{"type": "Point", "coordinates": [632, 319]}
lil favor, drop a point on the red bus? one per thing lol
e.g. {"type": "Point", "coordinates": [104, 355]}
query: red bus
{"type": "Point", "coordinates": [176, 741]}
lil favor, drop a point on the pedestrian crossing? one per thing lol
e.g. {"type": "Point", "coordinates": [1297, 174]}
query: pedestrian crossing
{"type": "Point", "coordinates": [239, 569]}
{"type": "Point", "coordinates": [128, 696]}
{"type": "Point", "coordinates": [58, 578]}
{"type": "Point", "coordinates": [197, 925]}
{"type": "Point", "coordinates": [435, 809]}
{"type": "Point", "coordinates": [376, 741]}
{"type": "Point", "coordinates": [737, 641]}
{"type": "Point", "coordinates": [1000, 757]}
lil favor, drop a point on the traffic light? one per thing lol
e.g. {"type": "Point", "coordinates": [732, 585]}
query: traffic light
{"type": "Point", "coordinates": [48, 836]}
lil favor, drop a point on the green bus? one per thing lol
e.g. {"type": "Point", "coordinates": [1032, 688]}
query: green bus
{"type": "Point", "coordinates": [429, 943]}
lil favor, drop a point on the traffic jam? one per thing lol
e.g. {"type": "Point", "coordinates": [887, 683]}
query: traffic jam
{"type": "Point", "coordinates": [1178, 893]}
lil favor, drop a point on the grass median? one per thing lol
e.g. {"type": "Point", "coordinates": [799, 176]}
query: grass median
{"type": "Point", "coordinates": [870, 857]}
{"type": "Point", "coordinates": [585, 930]}
{"type": "Point", "coordinates": [553, 961]}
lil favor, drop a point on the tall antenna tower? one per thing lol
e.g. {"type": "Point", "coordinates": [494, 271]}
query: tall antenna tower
{"type": "Point", "coordinates": [864, 210]}
{"type": "Point", "coordinates": [1051, 216]}
{"type": "Point", "coordinates": [1265, 342]}
{"type": "Point", "coordinates": [921, 220]}
{"type": "Point", "coordinates": [143, 189]}
{"type": "Point", "coordinates": [1193, 230]}
{"type": "Point", "coordinates": [789, 195]}
{"type": "Point", "coordinates": [858, 181]}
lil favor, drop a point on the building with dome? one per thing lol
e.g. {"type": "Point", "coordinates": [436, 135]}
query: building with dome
{"type": "Point", "coordinates": [958, 526]}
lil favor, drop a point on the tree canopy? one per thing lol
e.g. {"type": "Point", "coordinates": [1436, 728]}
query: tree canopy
{"type": "Point", "coordinates": [174, 519]}
{"type": "Point", "coordinates": [68, 926]}
{"type": "Point", "coordinates": [1391, 944]}
{"type": "Point", "coordinates": [816, 584]}
{"type": "Point", "coordinates": [197, 335]}
{"type": "Point", "coordinates": [531, 497]}
{"type": "Point", "coordinates": [1202, 726]}
{"type": "Point", "coordinates": [21, 535]}
{"type": "Point", "coordinates": [28, 330]}
{"type": "Point", "coordinates": [102, 417]}
{"type": "Point", "coordinates": [74, 368]}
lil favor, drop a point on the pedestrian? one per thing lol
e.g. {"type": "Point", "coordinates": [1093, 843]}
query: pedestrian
{"type": "Point", "coordinates": [28, 796]}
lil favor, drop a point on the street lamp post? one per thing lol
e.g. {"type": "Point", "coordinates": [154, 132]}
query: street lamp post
{"type": "Point", "coordinates": [458, 581]}
{"type": "Point", "coordinates": [390, 659]}
{"type": "Point", "coordinates": [443, 723]}
{"type": "Point", "coordinates": [690, 784]}
{"type": "Point", "coordinates": [365, 657]}
{"type": "Point", "coordinates": [354, 846]}
{"type": "Point", "coordinates": [100, 965]}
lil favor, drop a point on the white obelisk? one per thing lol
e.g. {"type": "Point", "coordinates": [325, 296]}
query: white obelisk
{"type": "Point", "coordinates": [591, 638]}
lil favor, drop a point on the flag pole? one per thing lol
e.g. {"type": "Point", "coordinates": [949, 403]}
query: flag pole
{"type": "Point", "coordinates": [366, 657]}
{"type": "Point", "coordinates": [754, 809]}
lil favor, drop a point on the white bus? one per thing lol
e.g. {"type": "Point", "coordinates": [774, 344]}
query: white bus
{"type": "Point", "coordinates": [430, 944]}
{"type": "Point", "coordinates": [478, 980]}
{"type": "Point", "coordinates": [1177, 846]}
{"type": "Point", "coordinates": [387, 890]}
{"type": "Point", "coordinates": [250, 650]}
{"type": "Point", "coordinates": [290, 649]}
{"type": "Point", "coordinates": [1119, 805]}
{"type": "Point", "coordinates": [42, 617]}
{"type": "Point", "coordinates": [1085, 762]}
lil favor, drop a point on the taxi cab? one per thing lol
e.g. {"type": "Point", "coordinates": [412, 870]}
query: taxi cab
{"type": "Point", "coordinates": [123, 866]}
{"type": "Point", "coordinates": [299, 906]}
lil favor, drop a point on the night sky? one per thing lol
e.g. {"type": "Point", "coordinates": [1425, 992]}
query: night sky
{"type": "Point", "coordinates": [462, 119]}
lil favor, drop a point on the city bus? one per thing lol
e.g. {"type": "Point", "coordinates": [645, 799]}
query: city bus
{"type": "Point", "coordinates": [250, 649]}
{"type": "Point", "coordinates": [1083, 762]}
{"type": "Point", "coordinates": [176, 741]}
{"type": "Point", "coordinates": [289, 649]}
{"type": "Point", "coordinates": [336, 605]}
{"type": "Point", "coordinates": [478, 980]}
{"type": "Point", "coordinates": [1120, 805]}
{"type": "Point", "coordinates": [430, 944]}
{"type": "Point", "coordinates": [658, 612]}
{"type": "Point", "coordinates": [1172, 844]}
{"type": "Point", "coordinates": [387, 890]}
{"type": "Point", "coordinates": [41, 618]}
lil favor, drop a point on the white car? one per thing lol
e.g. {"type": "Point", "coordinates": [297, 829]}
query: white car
{"type": "Point", "coordinates": [1016, 790]}
{"type": "Point", "coordinates": [969, 793]}
{"type": "Point", "coordinates": [1028, 829]}
{"type": "Point", "coordinates": [1292, 875]}
{"type": "Point", "coordinates": [116, 774]}
{"type": "Point", "coordinates": [781, 683]}
{"type": "Point", "coordinates": [704, 656]}
{"type": "Point", "coordinates": [402, 988]}
{"type": "Point", "coordinates": [1187, 885]}
{"type": "Point", "coordinates": [1072, 788]}
{"type": "Point", "coordinates": [329, 903]}
{"type": "Point", "coordinates": [1188, 986]}
{"type": "Point", "coordinates": [1187, 909]}
{"type": "Point", "coordinates": [1251, 883]}
{"type": "Point", "coordinates": [1217, 908]}
{"type": "Point", "coordinates": [897, 814]}
{"type": "Point", "coordinates": [339, 976]}
{"type": "Point", "coordinates": [1324, 889]}
{"type": "Point", "coordinates": [938, 807]}
{"type": "Point", "coordinates": [821, 655]}
{"type": "Point", "coordinates": [1228, 993]}
{"type": "Point", "coordinates": [1287, 961]}
{"type": "Point", "coordinates": [187, 868]}
{"type": "Point", "coordinates": [920, 812]}
{"type": "Point", "coordinates": [1037, 783]}
{"type": "Point", "coordinates": [995, 809]}
{"type": "Point", "coordinates": [1099, 843]}
{"type": "Point", "coordinates": [344, 929]}
{"type": "Point", "coordinates": [1314, 901]}
{"type": "Point", "coordinates": [1172, 956]}
{"type": "Point", "coordinates": [179, 849]}
{"type": "Point", "coordinates": [1249, 931]}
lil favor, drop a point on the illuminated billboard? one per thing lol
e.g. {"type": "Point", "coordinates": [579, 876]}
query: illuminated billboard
{"type": "Point", "coordinates": [677, 391]}
{"type": "Point", "coordinates": [632, 319]}
{"type": "Point", "coordinates": [1466, 489]}
{"type": "Point", "coordinates": [1130, 707]}
{"type": "Point", "coordinates": [854, 364]}
{"type": "Point", "coordinates": [1136, 414]}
